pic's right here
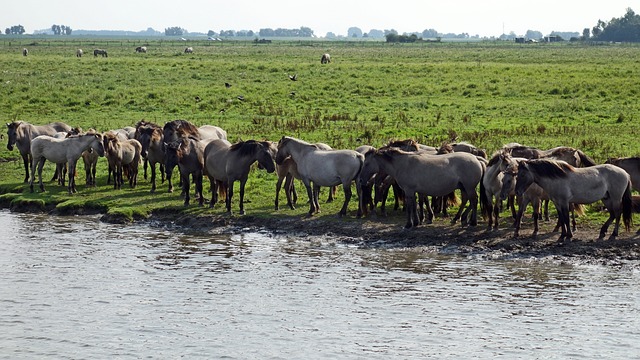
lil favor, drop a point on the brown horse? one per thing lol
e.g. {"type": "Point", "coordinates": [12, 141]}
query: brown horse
{"type": "Point", "coordinates": [226, 164]}
{"type": "Point", "coordinates": [151, 138]}
{"type": "Point", "coordinates": [188, 154]}
{"type": "Point", "coordinates": [21, 133]}
{"type": "Point", "coordinates": [631, 165]}
{"type": "Point", "coordinates": [120, 154]}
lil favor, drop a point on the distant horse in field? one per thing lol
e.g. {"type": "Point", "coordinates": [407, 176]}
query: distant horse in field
{"type": "Point", "coordinates": [120, 154]}
{"type": "Point", "coordinates": [62, 150]}
{"type": "Point", "coordinates": [188, 154]}
{"type": "Point", "coordinates": [323, 168]}
{"type": "Point", "coordinates": [566, 184]}
{"type": "Point", "coordinates": [288, 171]}
{"type": "Point", "coordinates": [141, 49]}
{"type": "Point", "coordinates": [21, 133]}
{"type": "Point", "coordinates": [151, 138]}
{"type": "Point", "coordinates": [225, 164]}
{"type": "Point", "coordinates": [429, 175]}
{"type": "Point", "coordinates": [631, 165]}
{"type": "Point", "coordinates": [325, 59]}
{"type": "Point", "coordinates": [101, 52]}
{"type": "Point", "coordinates": [79, 53]}
{"type": "Point", "coordinates": [25, 52]}
{"type": "Point", "coordinates": [188, 50]}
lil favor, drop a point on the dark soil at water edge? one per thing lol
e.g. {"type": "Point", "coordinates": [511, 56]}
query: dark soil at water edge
{"type": "Point", "coordinates": [437, 237]}
{"type": "Point", "coordinates": [379, 232]}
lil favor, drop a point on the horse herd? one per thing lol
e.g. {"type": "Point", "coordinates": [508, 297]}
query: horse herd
{"type": "Point", "coordinates": [526, 175]}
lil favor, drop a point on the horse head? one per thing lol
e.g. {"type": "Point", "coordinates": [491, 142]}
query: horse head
{"type": "Point", "coordinates": [282, 150]}
{"type": "Point", "coordinates": [97, 144]}
{"type": "Point", "coordinates": [265, 156]}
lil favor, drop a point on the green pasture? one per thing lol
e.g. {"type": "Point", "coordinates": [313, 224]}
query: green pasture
{"type": "Point", "coordinates": [488, 94]}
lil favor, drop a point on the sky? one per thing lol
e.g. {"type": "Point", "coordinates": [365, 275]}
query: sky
{"type": "Point", "coordinates": [475, 17]}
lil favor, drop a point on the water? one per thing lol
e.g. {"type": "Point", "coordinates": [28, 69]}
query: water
{"type": "Point", "coordinates": [78, 288]}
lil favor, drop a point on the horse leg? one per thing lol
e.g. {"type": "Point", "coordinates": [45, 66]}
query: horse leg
{"type": "Point", "coordinates": [361, 203]}
{"type": "Point", "coordinates": [347, 196]}
{"type": "Point", "coordinates": [198, 185]}
{"type": "Point", "coordinates": [563, 214]}
{"type": "Point", "coordinates": [473, 203]}
{"type": "Point", "coordinates": [605, 227]}
{"type": "Point", "coordinates": [307, 185]}
{"type": "Point", "coordinates": [145, 169]}
{"type": "Point", "coordinates": [229, 197]}
{"type": "Point", "coordinates": [32, 176]}
{"type": "Point", "coordinates": [429, 208]}
{"type": "Point", "coordinates": [72, 183]}
{"type": "Point", "coordinates": [185, 188]}
{"type": "Point", "coordinates": [40, 166]}
{"type": "Point", "coordinates": [316, 197]}
{"type": "Point", "coordinates": [94, 167]}
{"type": "Point", "coordinates": [546, 211]}
{"type": "Point", "coordinates": [241, 200]}
{"type": "Point", "coordinates": [333, 190]}
{"type": "Point", "coordinates": [26, 161]}
{"type": "Point", "coordinates": [153, 177]}
{"type": "Point", "coordinates": [459, 214]}
{"type": "Point", "coordinates": [410, 204]}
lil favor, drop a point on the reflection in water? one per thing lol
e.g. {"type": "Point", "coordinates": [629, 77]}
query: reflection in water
{"type": "Point", "coordinates": [78, 288]}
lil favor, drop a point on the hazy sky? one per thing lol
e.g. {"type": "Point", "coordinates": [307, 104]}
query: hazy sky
{"type": "Point", "coordinates": [476, 17]}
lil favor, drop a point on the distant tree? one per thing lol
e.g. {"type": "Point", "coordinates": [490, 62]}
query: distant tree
{"type": "Point", "coordinates": [251, 33]}
{"type": "Point", "coordinates": [586, 34]}
{"type": "Point", "coordinates": [266, 32]}
{"type": "Point", "coordinates": [354, 32]}
{"type": "Point", "coordinates": [376, 34]}
{"type": "Point", "coordinates": [532, 34]}
{"type": "Point", "coordinates": [56, 29]}
{"type": "Point", "coordinates": [429, 33]}
{"type": "Point", "coordinates": [626, 28]}
{"type": "Point", "coordinates": [330, 35]}
{"type": "Point", "coordinates": [15, 30]}
{"type": "Point", "coordinates": [391, 31]}
{"type": "Point", "coordinates": [174, 31]}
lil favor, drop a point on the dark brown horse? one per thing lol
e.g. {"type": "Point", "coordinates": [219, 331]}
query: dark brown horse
{"type": "Point", "coordinates": [151, 138]}
{"type": "Point", "coordinates": [631, 165]}
{"type": "Point", "coordinates": [226, 164]}
{"type": "Point", "coordinates": [120, 154]}
{"type": "Point", "coordinates": [188, 154]}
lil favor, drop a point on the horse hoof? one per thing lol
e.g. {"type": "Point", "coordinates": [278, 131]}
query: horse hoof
{"type": "Point", "coordinates": [241, 212]}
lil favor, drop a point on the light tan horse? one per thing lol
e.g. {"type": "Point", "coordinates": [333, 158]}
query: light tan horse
{"type": "Point", "coordinates": [322, 168]}
{"type": "Point", "coordinates": [21, 133]}
{"type": "Point", "coordinates": [123, 154]}
{"type": "Point", "coordinates": [59, 151]}
{"type": "Point", "coordinates": [566, 184]}
{"type": "Point", "coordinates": [430, 175]}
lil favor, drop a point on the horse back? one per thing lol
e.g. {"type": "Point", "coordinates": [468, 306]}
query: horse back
{"type": "Point", "coordinates": [330, 167]}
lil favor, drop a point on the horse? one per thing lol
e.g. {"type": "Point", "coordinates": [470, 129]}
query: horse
{"type": "Point", "coordinates": [61, 169]}
{"type": "Point", "coordinates": [323, 168]}
{"type": "Point", "coordinates": [461, 147]}
{"type": "Point", "coordinates": [430, 175]}
{"type": "Point", "coordinates": [151, 138]}
{"type": "Point", "coordinates": [175, 130]}
{"type": "Point", "coordinates": [25, 52]}
{"type": "Point", "coordinates": [62, 150]}
{"type": "Point", "coordinates": [287, 171]}
{"type": "Point", "coordinates": [188, 154]}
{"type": "Point", "coordinates": [566, 184]}
{"type": "Point", "coordinates": [188, 50]}
{"type": "Point", "coordinates": [21, 133]}
{"type": "Point", "coordinates": [141, 49]}
{"type": "Point", "coordinates": [123, 153]}
{"type": "Point", "coordinates": [90, 159]}
{"type": "Point", "coordinates": [631, 165]}
{"type": "Point", "coordinates": [101, 52]}
{"type": "Point", "coordinates": [123, 135]}
{"type": "Point", "coordinates": [325, 59]}
{"type": "Point", "coordinates": [226, 164]}
{"type": "Point", "coordinates": [79, 53]}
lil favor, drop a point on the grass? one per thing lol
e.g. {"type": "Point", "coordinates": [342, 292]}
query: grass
{"type": "Point", "coordinates": [488, 94]}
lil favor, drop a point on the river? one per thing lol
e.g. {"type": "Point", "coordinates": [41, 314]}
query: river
{"type": "Point", "coordinates": [77, 288]}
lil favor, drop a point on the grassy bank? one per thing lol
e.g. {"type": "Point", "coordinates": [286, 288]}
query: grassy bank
{"type": "Point", "coordinates": [488, 94]}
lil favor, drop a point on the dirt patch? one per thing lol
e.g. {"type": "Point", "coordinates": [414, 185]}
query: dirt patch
{"type": "Point", "coordinates": [440, 236]}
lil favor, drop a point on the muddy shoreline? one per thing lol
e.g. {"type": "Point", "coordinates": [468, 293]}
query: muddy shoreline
{"type": "Point", "coordinates": [378, 232]}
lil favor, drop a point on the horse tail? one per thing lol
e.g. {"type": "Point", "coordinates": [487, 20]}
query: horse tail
{"type": "Point", "coordinates": [627, 207]}
{"type": "Point", "coordinates": [222, 190]}
{"type": "Point", "coordinates": [453, 199]}
{"type": "Point", "coordinates": [585, 160]}
{"type": "Point", "coordinates": [579, 209]}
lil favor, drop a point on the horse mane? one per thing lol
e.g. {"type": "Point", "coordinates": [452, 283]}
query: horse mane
{"type": "Point", "coordinates": [496, 157]}
{"type": "Point", "coordinates": [182, 128]}
{"type": "Point", "coordinates": [445, 148]}
{"type": "Point", "coordinates": [405, 144]}
{"type": "Point", "coordinates": [387, 153]}
{"type": "Point", "coordinates": [550, 168]}
{"type": "Point", "coordinates": [247, 148]}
